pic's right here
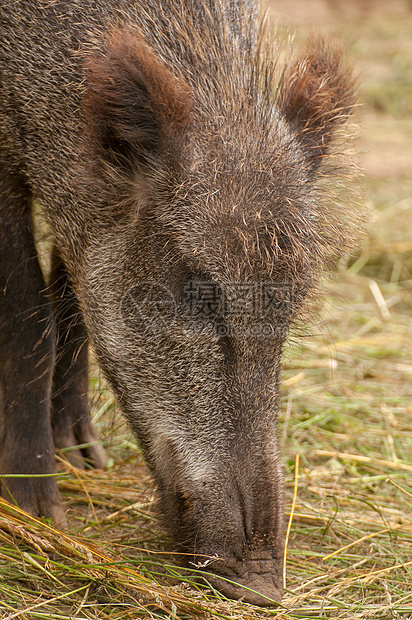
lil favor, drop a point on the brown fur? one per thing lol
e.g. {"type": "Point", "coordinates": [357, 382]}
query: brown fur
{"type": "Point", "coordinates": [186, 187]}
{"type": "Point", "coordinates": [152, 121]}
{"type": "Point", "coordinates": [317, 95]}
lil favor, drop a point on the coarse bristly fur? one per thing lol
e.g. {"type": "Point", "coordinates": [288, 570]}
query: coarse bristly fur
{"type": "Point", "coordinates": [185, 177]}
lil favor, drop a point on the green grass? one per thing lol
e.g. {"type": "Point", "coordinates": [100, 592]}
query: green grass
{"type": "Point", "coordinates": [346, 411]}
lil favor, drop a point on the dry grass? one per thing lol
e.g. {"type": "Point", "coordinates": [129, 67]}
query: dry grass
{"type": "Point", "coordinates": [347, 413]}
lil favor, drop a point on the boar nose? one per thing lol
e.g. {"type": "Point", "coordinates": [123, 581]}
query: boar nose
{"type": "Point", "coordinates": [250, 559]}
{"type": "Point", "coordinates": [258, 584]}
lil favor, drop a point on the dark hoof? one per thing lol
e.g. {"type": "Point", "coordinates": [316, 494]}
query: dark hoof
{"type": "Point", "coordinates": [59, 517]}
{"type": "Point", "coordinates": [38, 497]}
{"type": "Point", "coordinates": [94, 455]}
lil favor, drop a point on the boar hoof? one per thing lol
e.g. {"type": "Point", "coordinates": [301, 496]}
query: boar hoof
{"type": "Point", "coordinates": [59, 517]}
{"type": "Point", "coordinates": [38, 497]}
{"type": "Point", "coordinates": [77, 435]}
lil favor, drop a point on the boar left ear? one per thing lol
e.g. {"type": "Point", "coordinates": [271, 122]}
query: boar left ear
{"type": "Point", "coordinates": [316, 96]}
{"type": "Point", "coordinates": [137, 110]}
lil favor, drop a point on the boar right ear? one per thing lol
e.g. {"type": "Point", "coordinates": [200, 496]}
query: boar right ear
{"type": "Point", "coordinates": [316, 96]}
{"type": "Point", "coordinates": [137, 110]}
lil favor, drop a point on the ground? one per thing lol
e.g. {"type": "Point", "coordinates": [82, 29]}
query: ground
{"type": "Point", "coordinates": [346, 415]}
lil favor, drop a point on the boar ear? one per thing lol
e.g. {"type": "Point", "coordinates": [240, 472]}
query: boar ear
{"type": "Point", "coordinates": [316, 96]}
{"type": "Point", "coordinates": [137, 110]}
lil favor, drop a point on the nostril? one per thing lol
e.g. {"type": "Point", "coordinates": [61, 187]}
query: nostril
{"type": "Point", "coordinates": [184, 501]}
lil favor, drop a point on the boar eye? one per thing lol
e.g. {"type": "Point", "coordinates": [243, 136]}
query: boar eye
{"type": "Point", "coordinates": [204, 298]}
{"type": "Point", "coordinates": [207, 306]}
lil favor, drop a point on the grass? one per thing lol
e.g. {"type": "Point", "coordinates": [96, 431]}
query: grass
{"type": "Point", "coordinates": [346, 412]}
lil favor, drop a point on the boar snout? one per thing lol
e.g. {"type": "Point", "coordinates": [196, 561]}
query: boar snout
{"type": "Point", "coordinates": [254, 574]}
{"type": "Point", "coordinates": [230, 525]}
{"type": "Point", "coordinates": [255, 580]}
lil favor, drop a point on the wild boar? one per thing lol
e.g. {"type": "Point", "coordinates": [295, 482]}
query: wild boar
{"type": "Point", "coordinates": [183, 178]}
